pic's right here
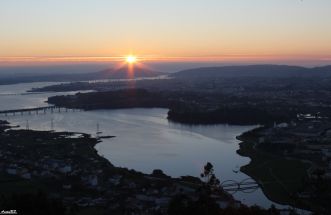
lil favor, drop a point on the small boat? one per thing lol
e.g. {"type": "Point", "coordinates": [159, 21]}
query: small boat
{"type": "Point", "coordinates": [236, 170]}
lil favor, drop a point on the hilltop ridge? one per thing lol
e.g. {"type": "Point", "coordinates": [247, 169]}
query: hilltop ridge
{"type": "Point", "coordinates": [267, 70]}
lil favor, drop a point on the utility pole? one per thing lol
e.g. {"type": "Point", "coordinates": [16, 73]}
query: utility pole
{"type": "Point", "coordinates": [98, 130]}
{"type": "Point", "coordinates": [52, 124]}
{"type": "Point", "coordinates": [27, 126]}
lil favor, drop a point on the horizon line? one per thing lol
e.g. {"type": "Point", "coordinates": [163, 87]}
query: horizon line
{"type": "Point", "coordinates": [307, 60]}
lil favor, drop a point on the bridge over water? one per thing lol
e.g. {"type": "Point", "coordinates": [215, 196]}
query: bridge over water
{"type": "Point", "coordinates": [36, 110]}
{"type": "Point", "coordinates": [247, 185]}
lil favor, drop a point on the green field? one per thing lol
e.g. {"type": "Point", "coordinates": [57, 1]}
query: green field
{"type": "Point", "coordinates": [279, 177]}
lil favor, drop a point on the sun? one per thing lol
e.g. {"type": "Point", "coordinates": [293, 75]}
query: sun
{"type": "Point", "coordinates": [131, 59]}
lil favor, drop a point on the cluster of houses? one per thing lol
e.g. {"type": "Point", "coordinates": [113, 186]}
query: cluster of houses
{"type": "Point", "coordinates": [307, 139]}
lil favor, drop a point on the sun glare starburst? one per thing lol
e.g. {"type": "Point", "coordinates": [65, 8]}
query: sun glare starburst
{"type": "Point", "coordinates": [131, 59]}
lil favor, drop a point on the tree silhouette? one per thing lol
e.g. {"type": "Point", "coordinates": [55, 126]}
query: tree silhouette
{"type": "Point", "coordinates": [211, 180]}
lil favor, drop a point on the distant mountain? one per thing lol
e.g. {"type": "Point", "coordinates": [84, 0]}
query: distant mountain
{"type": "Point", "coordinates": [122, 73]}
{"type": "Point", "coordinates": [263, 71]}
{"type": "Point", "coordinates": [125, 73]}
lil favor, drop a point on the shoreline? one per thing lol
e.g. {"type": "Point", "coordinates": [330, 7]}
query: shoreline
{"type": "Point", "coordinates": [103, 175]}
{"type": "Point", "coordinates": [138, 176]}
{"type": "Point", "coordinates": [192, 125]}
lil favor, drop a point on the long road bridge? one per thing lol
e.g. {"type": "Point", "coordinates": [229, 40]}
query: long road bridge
{"type": "Point", "coordinates": [36, 110]}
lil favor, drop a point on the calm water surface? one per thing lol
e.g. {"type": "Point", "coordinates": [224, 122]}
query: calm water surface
{"type": "Point", "coordinates": [145, 139]}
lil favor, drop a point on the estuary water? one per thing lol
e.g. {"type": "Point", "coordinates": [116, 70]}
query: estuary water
{"type": "Point", "coordinates": [145, 140]}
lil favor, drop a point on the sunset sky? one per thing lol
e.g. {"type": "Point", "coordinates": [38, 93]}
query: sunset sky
{"type": "Point", "coordinates": [93, 30]}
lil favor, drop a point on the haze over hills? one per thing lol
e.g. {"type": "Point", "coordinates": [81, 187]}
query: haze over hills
{"type": "Point", "coordinates": [259, 71]}
{"type": "Point", "coordinates": [122, 73]}
{"type": "Point", "coordinates": [267, 71]}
